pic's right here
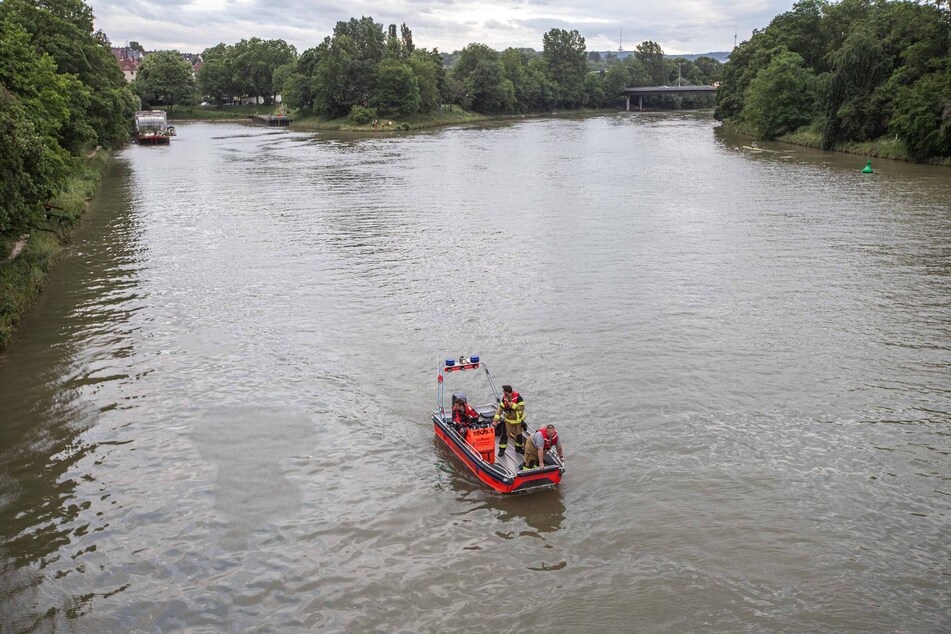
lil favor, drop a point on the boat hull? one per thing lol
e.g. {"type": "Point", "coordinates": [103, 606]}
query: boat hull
{"type": "Point", "coordinates": [152, 140]}
{"type": "Point", "coordinates": [494, 475]}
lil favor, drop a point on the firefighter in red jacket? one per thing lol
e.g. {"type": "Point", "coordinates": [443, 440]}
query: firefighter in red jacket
{"type": "Point", "coordinates": [463, 414]}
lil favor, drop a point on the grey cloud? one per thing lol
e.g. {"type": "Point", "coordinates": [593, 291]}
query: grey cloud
{"type": "Point", "coordinates": [682, 25]}
{"type": "Point", "coordinates": [498, 26]}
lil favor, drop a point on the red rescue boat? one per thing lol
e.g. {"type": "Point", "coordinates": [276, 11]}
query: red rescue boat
{"type": "Point", "coordinates": [479, 450]}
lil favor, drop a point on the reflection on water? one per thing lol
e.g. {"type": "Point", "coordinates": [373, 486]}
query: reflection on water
{"type": "Point", "coordinates": [218, 414]}
{"type": "Point", "coordinates": [247, 446]}
{"type": "Point", "coordinates": [542, 511]}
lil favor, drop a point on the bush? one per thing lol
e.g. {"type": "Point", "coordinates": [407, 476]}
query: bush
{"type": "Point", "coordinates": [360, 115]}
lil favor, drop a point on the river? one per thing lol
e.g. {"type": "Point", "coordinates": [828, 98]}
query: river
{"type": "Point", "coordinates": [217, 416]}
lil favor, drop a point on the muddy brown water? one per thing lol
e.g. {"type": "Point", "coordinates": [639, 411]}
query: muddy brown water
{"type": "Point", "coordinates": [216, 418]}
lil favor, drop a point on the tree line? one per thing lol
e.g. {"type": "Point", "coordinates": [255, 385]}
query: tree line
{"type": "Point", "coordinates": [850, 71]}
{"type": "Point", "coordinates": [61, 94]}
{"type": "Point", "coordinates": [363, 70]}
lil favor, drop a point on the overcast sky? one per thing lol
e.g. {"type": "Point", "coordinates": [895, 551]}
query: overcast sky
{"type": "Point", "coordinates": [679, 26]}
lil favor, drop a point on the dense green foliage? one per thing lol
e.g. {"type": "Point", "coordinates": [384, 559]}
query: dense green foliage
{"type": "Point", "coordinates": [164, 79]}
{"type": "Point", "coordinates": [61, 94]}
{"type": "Point", "coordinates": [853, 71]}
{"type": "Point", "coordinates": [362, 67]}
{"type": "Point", "coordinates": [248, 68]}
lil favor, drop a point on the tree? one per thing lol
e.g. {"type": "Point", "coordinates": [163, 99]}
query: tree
{"type": "Point", "coordinates": [394, 46]}
{"type": "Point", "coordinates": [868, 57]}
{"type": "Point", "coordinates": [22, 182]}
{"type": "Point", "coordinates": [594, 95]}
{"type": "Point", "coordinates": [164, 78]}
{"type": "Point", "coordinates": [564, 52]}
{"type": "Point", "coordinates": [407, 37]}
{"type": "Point", "coordinates": [923, 116]}
{"type": "Point", "coordinates": [215, 77]}
{"type": "Point", "coordinates": [335, 88]}
{"type": "Point", "coordinates": [489, 91]}
{"type": "Point", "coordinates": [746, 61]}
{"type": "Point", "coordinates": [709, 70]}
{"type": "Point", "coordinates": [616, 79]}
{"type": "Point", "coordinates": [298, 89]}
{"type": "Point", "coordinates": [781, 98]}
{"type": "Point", "coordinates": [539, 91]}
{"type": "Point", "coordinates": [482, 77]}
{"type": "Point", "coordinates": [514, 62]}
{"type": "Point", "coordinates": [470, 57]}
{"type": "Point", "coordinates": [102, 103]}
{"type": "Point", "coordinates": [397, 89]}
{"type": "Point", "coordinates": [366, 45]}
{"type": "Point", "coordinates": [135, 46]}
{"type": "Point", "coordinates": [255, 61]}
{"type": "Point", "coordinates": [651, 55]}
{"type": "Point", "coordinates": [427, 71]}
{"type": "Point", "coordinates": [800, 31]}
{"type": "Point", "coordinates": [34, 111]}
{"type": "Point", "coordinates": [858, 67]}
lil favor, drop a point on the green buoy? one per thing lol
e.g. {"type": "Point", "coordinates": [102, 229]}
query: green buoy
{"type": "Point", "coordinates": [868, 168]}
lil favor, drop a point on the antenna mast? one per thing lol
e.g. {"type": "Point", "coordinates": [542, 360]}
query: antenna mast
{"type": "Point", "coordinates": [620, 37]}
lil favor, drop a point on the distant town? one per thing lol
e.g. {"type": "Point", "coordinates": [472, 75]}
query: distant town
{"type": "Point", "coordinates": [130, 57]}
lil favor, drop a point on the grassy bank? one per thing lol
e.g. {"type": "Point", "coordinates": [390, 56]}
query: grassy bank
{"type": "Point", "coordinates": [387, 124]}
{"type": "Point", "coordinates": [215, 113]}
{"type": "Point", "coordinates": [889, 148]}
{"type": "Point", "coordinates": [21, 279]}
{"type": "Point", "coordinates": [454, 116]}
{"type": "Point", "coordinates": [451, 115]}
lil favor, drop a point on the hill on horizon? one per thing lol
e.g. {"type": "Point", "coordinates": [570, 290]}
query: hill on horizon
{"type": "Point", "coordinates": [720, 56]}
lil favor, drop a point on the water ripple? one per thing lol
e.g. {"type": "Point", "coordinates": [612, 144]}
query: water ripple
{"type": "Point", "coordinates": [217, 417]}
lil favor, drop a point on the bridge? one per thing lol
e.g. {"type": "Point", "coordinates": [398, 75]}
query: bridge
{"type": "Point", "coordinates": [663, 90]}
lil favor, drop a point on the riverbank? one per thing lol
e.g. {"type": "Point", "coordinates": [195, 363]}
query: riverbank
{"type": "Point", "coordinates": [312, 123]}
{"type": "Point", "coordinates": [451, 115]}
{"type": "Point", "coordinates": [879, 148]}
{"type": "Point", "coordinates": [27, 260]}
{"type": "Point", "coordinates": [216, 113]}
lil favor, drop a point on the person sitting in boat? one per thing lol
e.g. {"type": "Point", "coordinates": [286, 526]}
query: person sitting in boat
{"type": "Point", "coordinates": [539, 444]}
{"type": "Point", "coordinates": [463, 414]}
{"type": "Point", "coordinates": [511, 411]}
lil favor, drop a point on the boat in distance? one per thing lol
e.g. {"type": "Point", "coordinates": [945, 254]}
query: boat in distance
{"type": "Point", "coordinates": [479, 450]}
{"type": "Point", "coordinates": [151, 128]}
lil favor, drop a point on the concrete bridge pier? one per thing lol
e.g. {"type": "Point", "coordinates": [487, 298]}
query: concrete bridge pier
{"type": "Point", "coordinates": [640, 103]}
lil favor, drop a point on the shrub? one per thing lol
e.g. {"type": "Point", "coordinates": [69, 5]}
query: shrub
{"type": "Point", "coordinates": [360, 115]}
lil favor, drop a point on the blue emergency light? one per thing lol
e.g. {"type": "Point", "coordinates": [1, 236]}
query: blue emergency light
{"type": "Point", "coordinates": [450, 362]}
